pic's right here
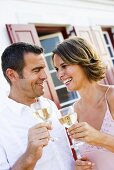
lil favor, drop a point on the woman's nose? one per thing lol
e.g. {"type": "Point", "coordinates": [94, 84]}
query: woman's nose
{"type": "Point", "coordinates": [60, 74]}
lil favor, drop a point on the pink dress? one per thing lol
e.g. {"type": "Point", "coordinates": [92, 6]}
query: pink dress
{"type": "Point", "coordinates": [103, 158]}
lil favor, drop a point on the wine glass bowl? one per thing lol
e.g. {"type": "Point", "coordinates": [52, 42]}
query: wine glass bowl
{"type": "Point", "coordinates": [43, 114]}
{"type": "Point", "coordinates": [40, 112]}
{"type": "Point", "coordinates": [67, 116]}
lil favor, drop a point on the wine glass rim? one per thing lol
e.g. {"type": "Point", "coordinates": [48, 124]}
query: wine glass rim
{"type": "Point", "coordinates": [67, 107]}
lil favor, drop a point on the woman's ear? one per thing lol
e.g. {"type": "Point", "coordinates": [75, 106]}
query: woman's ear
{"type": "Point", "coordinates": [12, 74]}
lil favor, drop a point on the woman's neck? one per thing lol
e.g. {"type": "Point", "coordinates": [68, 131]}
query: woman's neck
{"type": "Point", "coordinates": [91, 93]}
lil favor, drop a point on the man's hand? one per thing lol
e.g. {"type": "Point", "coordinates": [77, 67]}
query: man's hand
{"type": "Point", "coordinates": [38, 137]}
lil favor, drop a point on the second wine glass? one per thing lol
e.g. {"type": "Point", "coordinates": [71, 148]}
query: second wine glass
{"type": "Point", "coordinates": [67, 118]}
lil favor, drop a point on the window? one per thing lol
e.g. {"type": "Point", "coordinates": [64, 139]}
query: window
{"type": "Point", "coordinates": [49, 42]}
{"type": "Point", "coordinates": [109, 45]}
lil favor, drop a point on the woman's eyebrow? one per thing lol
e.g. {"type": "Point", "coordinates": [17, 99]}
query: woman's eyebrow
{"type": "Point", "coordinates": [62, 64]}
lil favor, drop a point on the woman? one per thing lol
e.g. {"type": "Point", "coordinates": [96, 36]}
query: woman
{"type": "Point", "coordinates": [79, 67]}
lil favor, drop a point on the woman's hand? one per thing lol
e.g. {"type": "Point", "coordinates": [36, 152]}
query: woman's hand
{"type": "Point", "coordinates": [84, 132]}
{"type": "Point", "coordinates": [84, 164]}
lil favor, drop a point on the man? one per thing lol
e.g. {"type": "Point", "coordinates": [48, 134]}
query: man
{"type": "Point", "coordinates": [24, 143]}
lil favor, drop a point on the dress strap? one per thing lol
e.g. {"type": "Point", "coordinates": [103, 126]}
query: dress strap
{"type": "Point", "coordinates": [106, 93]}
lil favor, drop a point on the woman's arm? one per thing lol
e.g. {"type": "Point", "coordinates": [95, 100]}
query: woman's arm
{"type": "Point", "coordinates": [84, 132]}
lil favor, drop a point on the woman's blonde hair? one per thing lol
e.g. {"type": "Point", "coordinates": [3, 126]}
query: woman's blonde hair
{"type": "Point", "coordinates": [78, 51]}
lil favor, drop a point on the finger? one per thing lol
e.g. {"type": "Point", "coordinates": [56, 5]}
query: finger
{"type": "Point", "coordinates": [78, 125]}
{"type": "Point", "coordinates": [77, 130]}
{"type": "Point", "coordinates": [36, 131]}
{"type": "Point", "coordinates": [44, 142]}
{"type": "Point", "coordinates": [83, 168]}
{"type": "Point", "coordinates": [40, 136]}
{"type": "Point", "coordinates": [84, 158]}
{"type": "Point", "coordinates": [40, 130]}
{"type": "Point", "coordinates": [80, 136]}
{"type": "Point", "coordinates": [83, 163]}
{"type": "Point", "coordinates": [40, 143]}
{"type": "Point", "coordinates": [40, 125]}
{"type": "Point", "coordinates": [74, 126]}
{"type": "Point", "coordinates": [86, 167]}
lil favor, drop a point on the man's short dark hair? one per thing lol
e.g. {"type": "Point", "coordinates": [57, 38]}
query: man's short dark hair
{"type": "Point", "coordinates": [13, 57]}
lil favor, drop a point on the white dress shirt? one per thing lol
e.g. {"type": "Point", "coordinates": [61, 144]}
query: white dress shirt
{"type": "Point", "coordinates": [15, 121]}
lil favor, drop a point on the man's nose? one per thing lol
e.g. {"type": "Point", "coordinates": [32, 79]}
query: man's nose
{"type": "Point", "coordinates": [43, 75]}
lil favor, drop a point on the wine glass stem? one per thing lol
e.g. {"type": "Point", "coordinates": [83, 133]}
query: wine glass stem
{"type": "Point", "coordinates": [76, 148]}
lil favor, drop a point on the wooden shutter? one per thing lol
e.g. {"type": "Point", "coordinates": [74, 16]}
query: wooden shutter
{"type": "Point", "coordinates": [94, 35]}
{"type": "Point", "coordinates": [85, 33]}
{"type": "Point", "coordinates": [28, 34]}
{"type": "Point", "coordinates": [101, 48]}
{"type": "Point", "coordinates": [23, 33]}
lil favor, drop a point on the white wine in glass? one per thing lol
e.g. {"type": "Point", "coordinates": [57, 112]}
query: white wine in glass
{"type": "Point", "coordinates": [42, 114]}
{"type": "Point", "coordinates": [67, 118]}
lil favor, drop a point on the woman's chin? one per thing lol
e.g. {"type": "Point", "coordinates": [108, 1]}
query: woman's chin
{"type": "Point", "coordinates": [70, 89]}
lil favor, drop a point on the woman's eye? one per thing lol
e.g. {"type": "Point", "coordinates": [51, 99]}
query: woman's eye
{"type": "Point", "coordinates": [64, 66]}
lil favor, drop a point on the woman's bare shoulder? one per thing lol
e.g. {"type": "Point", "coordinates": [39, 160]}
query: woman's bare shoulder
{"type": "Point", "coordinates": [110, 93]}
{"type": "Point", "coordinates": [110, 99]}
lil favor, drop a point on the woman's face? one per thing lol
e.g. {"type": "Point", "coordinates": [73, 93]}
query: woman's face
{"type": "Point", "coordinates": [72, 75]}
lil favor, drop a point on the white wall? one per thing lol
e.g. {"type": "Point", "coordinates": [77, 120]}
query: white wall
{"type": "Point", "coordinates": [65, 12]}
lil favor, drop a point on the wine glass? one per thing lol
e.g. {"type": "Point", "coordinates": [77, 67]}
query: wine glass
{"type": "Point", "coordinates": [67, 118]}
{"type": "Point", "coordinates": [41, 113]}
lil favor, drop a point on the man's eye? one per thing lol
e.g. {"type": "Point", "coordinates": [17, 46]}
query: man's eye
{"type": "Point", "coordinates": [36, 71]}
{"type": "Point", "coordinates": [56, 69]}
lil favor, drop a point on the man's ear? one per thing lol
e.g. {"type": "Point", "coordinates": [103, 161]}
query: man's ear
{"type": "Point", "coordinates": [12, 74]}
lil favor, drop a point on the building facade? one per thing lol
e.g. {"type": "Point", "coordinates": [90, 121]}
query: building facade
{"type": "Point", "coordinates": [48, 22]}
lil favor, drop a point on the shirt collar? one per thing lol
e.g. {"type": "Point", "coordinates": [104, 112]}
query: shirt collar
{"type": "Point", "coordinates": [15, 106]}
{"type": "Point", "coordinates": [18, 107]}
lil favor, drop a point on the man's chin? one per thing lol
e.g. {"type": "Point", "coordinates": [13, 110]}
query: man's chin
{"type": "Point", "coordinates": [41, 93]}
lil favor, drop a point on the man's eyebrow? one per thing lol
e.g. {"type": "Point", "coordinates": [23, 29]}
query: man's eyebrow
{"type": "Point", "coordinates": [55, 67]}
{"type": "Point", "coordinates": [37, 68]}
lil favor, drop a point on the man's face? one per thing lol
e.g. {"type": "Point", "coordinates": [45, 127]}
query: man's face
{"type": "Point", "coordinates": [32, 83]}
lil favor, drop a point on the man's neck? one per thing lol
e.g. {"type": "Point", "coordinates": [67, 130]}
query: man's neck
{"type": "Point", "coordinates": [21, 99]}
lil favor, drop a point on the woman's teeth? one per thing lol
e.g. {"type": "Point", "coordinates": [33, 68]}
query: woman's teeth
{"type": "Point", "coordinates": [67, 81]}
